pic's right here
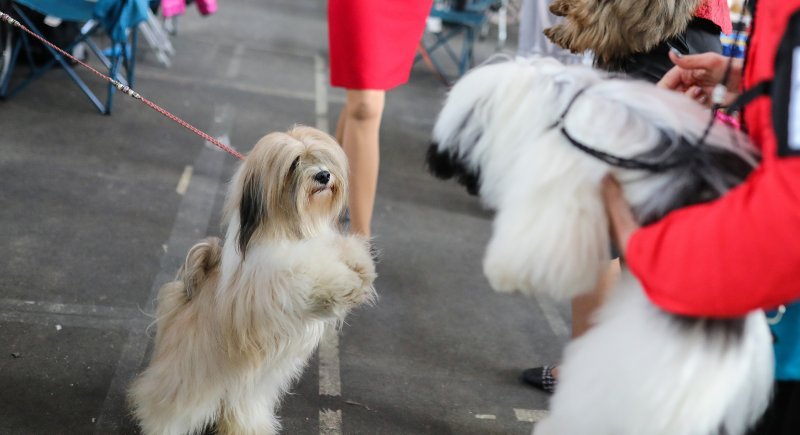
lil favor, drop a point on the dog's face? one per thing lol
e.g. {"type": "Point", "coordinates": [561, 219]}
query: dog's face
{"type": "Point", "coordinates": [291, 186]}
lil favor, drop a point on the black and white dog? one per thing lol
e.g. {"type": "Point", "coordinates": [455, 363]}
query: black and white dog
{"type": "Point", "coordinates": [534, 139]}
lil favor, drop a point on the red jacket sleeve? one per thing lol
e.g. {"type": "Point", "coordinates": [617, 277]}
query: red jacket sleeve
{"type": "Point", "coordinates": [730, 256]}
{"type": "Point", "coordinates": [742, 251]}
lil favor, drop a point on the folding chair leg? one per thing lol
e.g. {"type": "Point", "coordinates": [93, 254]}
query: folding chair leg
{"type": "Point", "coordinates": [12, 62]}
{"type": "Point", "coordinates": [161, 34]}
{"type": "Point", "coordinates": [502, 25]}
{"type": "Point", "coordinates": [116, 61]}
{"type": "Point", "coordinates": [58, 58]}
{"type": "Point", "coordinates": [466, 51]}
{"type": "Point", "coordinates": [130, 57]}
{"type": "Point", "coordinates": [428, 60]}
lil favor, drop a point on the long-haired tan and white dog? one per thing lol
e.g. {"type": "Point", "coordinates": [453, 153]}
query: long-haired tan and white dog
{"type": "Point", "coordinates": [535, 139]}
{"type": "Point", "coordinates": [240, 321]}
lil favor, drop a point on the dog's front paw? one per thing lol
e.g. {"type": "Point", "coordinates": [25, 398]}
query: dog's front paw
{"type": "Point", "coordinates": [335, 303]}
{"type": "Point", "coordinates": [357, 256]}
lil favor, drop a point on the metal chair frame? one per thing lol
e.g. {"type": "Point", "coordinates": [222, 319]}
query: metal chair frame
{"type": "Point", "coordinates": [120, 55]}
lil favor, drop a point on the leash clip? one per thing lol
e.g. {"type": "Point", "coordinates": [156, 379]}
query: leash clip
{"type": "Point", "coordinates": [7, 18]}
{"type": "Point", "coordinates": [125, 89]}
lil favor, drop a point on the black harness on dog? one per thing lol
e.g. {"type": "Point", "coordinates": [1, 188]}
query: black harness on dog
{"type": "Point", "coordinates": [675, 160]}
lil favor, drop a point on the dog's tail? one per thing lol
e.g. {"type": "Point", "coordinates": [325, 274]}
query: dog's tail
{"type": "Point", "coordinates": [202, 259]}
{"type": "Point", "coordinates": [201, 262]}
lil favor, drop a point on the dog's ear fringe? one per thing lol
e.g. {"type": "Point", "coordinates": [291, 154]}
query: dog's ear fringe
{"type": "Point", "coordinates": [252, 211]}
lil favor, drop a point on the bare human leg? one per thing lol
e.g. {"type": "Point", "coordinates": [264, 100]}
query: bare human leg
{"type": "Point", "coordinates": [358, 130]}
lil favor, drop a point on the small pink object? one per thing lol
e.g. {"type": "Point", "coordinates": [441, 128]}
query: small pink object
{"type": "Point", "coordinates": [731, 121]}
{"type": "Point", "coordinates": [207, 7]}
{"type": "Point", "coordinates": [172, 8]}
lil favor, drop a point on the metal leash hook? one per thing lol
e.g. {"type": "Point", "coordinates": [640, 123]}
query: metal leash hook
{"type": "Point", "coordinates": [125, 89]}
{"type": "Point", "coordinates": [7, 18]}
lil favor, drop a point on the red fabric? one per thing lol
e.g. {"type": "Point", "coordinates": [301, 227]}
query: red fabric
{"type": "Point", "coordinates": [373, 42]}
{"type": "Point", "coordinates": [741, 252]}
{"type": "Point", "coordinates": [717, 12]}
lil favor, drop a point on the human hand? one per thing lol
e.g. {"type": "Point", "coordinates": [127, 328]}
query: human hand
{"type": "Point", "coordinates": [620, 215]}
{"type": "Point", "coordinates": [698, 74]}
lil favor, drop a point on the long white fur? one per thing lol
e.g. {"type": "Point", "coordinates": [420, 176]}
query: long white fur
{"type": "Point", "coordinates": [500, 118]}
{"type": "Point", "coordinates": [639, 370]}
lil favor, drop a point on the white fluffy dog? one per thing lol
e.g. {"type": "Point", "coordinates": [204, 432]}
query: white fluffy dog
{"type": "Point", "coordinates": [241, 320]}
{"type": "Point", "coordinates": [535, 138]}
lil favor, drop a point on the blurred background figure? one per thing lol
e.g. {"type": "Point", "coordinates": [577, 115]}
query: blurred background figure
{"type": "Point", "coordinates": [535, 17]}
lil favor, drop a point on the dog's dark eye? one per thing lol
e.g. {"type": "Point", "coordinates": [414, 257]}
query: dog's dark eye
{"type": "Point", "coordinates": [295, 162]}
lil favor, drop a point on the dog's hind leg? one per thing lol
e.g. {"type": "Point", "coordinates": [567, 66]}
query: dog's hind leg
{"type": "Point", "coordinates": [251, 412]}
{"type": "Point", "coordinates": [177, 394]}
{"type": "Point", "coordinates": [159, 413]}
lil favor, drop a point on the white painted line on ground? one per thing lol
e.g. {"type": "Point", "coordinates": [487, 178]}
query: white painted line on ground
{"type": "Point", "coordinates": [256, 45]}
{"type": "Point", "coordinates": [321, 93]}
{"type": "Point", "coordinates": [557, 323]}
{"type": "Point", "coordinates": [183, 182]}
{"type": "Point", "coordinates": [71, 315]}
{"type": "Point", "coordinates": [225, 139]}
{"type": "Point", "coordinates": [236, 85]}
{"type": "Point", "coordinates": [67, 309]}
{"type": "Point", "coordinates": [329, 373]}
{"type": "Point", "coordinates": [486, 416]}
{"type": "Point", "coordinates": [530, 415]}
{"type": "Point", "coordinates": [330, 422]}
{"type": "Point", "coordinates": [330, 383]}
{"type": "Point", "coordinates": [211, 53]}
{"type": "Point", "coordinates": [235, 65]}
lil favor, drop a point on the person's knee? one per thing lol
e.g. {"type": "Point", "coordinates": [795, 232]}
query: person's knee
{"type": "Point", "coordinates": [365, 107]}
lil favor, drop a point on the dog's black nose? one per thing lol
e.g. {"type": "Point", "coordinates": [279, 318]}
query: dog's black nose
{"type": "Point", "coordinates": [322, 177]}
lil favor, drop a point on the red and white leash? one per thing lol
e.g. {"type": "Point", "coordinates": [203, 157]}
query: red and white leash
{"type": "Point", "coordinates": [125, 89]}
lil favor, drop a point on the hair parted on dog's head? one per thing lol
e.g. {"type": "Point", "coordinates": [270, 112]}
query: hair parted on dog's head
{"type": "Point", "coordinates": [297, 180]}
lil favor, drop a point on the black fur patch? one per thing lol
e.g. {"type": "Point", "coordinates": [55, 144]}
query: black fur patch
{"type": "Point", "coordinates": [730, 330]}
{"type": "Point", "coordinates": [252, 212]}
{"type": "Point", "coordinates": [445, 166]}
{"type": "Point", "coordinates": [696, 173]}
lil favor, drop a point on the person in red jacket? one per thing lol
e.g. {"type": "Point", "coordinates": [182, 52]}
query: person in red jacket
{"type": "Point", "coordinates": [741, 252]}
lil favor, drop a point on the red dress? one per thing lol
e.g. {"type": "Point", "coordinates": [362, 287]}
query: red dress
{"type": "Point", "coordinates": [373, 42]}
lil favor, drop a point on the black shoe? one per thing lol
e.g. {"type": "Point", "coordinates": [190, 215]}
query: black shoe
{"type": "Point", "coordinates": [541, 378]}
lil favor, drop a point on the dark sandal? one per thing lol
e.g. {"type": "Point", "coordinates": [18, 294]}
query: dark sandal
{"type": "Point", "coordinates": [541, 378]}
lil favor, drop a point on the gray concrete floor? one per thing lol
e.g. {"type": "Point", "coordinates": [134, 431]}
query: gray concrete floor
{"type": "Point", "coordinates": [91, 225]}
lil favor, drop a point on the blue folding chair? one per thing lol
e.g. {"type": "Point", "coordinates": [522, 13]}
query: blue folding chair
{"type": "Point", "coordinates": [118, 18]}
{"type": "Point", "coordinates": [461, 17]}
{"type": "Point", "coordinates": [6, 35]}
